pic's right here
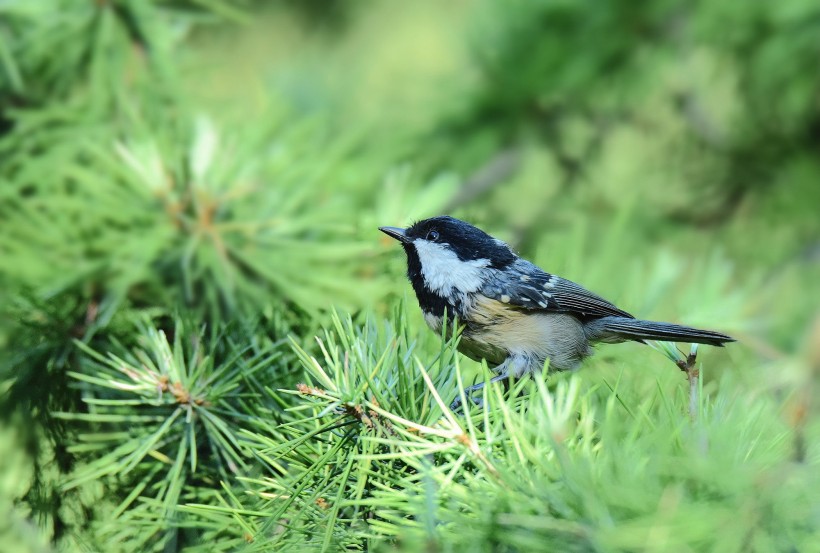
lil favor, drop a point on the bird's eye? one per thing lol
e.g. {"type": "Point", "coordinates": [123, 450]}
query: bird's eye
{"type": "Point", "coordinates": [432, 235]}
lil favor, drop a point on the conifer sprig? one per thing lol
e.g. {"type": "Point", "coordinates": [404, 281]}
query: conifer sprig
{"type": "Point", "coordinates": [163, 416]}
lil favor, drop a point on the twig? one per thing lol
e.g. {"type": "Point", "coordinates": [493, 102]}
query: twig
{"type": "Point", "coordinates": [801, 406]}
{"type": "Point", "coordinates": [369, 418]}
{"type": "Point", "coordinates": [689, 366]}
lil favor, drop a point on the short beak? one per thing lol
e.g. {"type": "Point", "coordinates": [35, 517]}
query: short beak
{"type": "Point", "coordinates": [397, 233]}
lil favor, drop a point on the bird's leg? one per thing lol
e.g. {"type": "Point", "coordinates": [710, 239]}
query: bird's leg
{"type": "Point", "coordinates": [504, 378]}
{"type": "Point", "coordinates": [513, 365]}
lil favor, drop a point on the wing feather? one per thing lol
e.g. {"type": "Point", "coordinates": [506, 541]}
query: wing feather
{"type": "Point", "coordinates": [526, 286]}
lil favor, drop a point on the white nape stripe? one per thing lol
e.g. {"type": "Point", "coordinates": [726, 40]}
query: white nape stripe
{"type": "Point", "coordinates": [445, 273]}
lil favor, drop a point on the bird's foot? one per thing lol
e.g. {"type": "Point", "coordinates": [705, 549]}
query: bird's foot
{"type": "Point", "coordinates": [468, 392]}
{"type": "Point", "coordinates": [456, 404]}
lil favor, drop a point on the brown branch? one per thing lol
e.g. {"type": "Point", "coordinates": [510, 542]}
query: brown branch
{"type": "Point", "coordinates": [689, 366]}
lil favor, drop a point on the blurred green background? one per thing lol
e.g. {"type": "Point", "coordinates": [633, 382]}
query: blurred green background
{"type": "Point", "coordinates": [194, 186]}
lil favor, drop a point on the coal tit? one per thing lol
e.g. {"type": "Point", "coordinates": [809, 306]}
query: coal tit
{"type": "Point", "coordinates": [515, 315]}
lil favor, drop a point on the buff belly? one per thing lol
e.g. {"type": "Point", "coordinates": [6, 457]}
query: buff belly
{"type": "Point", "coordinates": [518, 340]}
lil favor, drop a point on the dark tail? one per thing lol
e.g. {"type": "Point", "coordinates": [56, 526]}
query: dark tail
{"type": "Point", "coordinates": [618, 329]}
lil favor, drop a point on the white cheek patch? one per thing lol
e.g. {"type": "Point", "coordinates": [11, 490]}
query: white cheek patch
{"type": "Point", "coordinates": [444, 272]}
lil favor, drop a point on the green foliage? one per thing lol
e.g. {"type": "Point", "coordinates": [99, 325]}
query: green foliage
{"type": "Point", "coordinates": [160, 424]}
{"type": "Point", "coordinates": [51, 50]}
{"type": "Point", "coordinates": [576, 466]}
{"type": "Point", "coordinates": [353, 414]}
{"type": "Point", "coordinates": [175, 231]}
{"type": "Point", "coordinates": [207, 223]}
{"type": "Point", "coordinates": [705, 80]}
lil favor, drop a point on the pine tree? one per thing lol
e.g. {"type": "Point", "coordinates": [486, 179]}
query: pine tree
{"type": "Point", "coordinates": [204, 345]}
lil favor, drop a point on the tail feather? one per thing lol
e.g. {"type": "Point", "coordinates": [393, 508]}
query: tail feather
{"type": "Point", "coordinates": [616, 329]}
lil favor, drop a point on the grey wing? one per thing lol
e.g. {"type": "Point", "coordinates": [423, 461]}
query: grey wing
{"type": "Point", "coordinates": [525, 285]}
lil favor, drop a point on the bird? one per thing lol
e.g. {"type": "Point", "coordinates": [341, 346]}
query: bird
{"type": "Point", "coordinates": [513, 314]}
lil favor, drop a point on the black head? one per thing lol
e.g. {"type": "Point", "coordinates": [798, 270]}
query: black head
{"type": "Point", "coordinates": [448, 258]}
{"type": "Point", "coordinates": [469, 243]}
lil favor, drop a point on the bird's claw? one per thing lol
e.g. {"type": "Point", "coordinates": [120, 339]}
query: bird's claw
{"type": "Point", "coordinates": [457, 403]}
